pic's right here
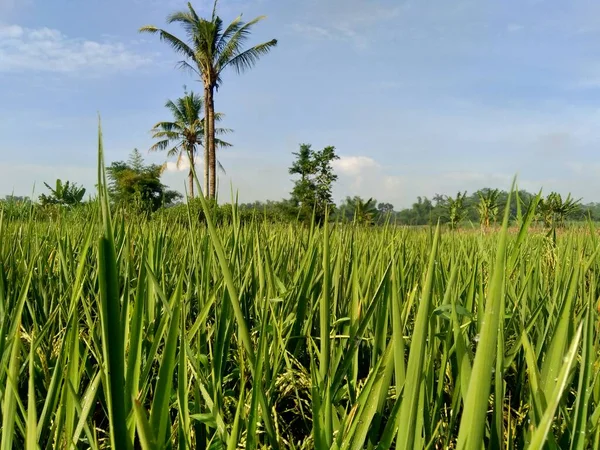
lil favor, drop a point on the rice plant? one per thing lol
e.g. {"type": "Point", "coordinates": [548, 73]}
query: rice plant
{"type": "Point", "coordinates": [123, 334]}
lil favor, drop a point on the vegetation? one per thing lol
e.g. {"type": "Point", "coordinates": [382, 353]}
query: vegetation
{"type": "Point", "coordinates": [488, 206]}
{"type": "Point", "coordinates": [312, 191]}
{"type": "Point", "coordinates": [554, 211]}
{"type": "Point", "coordinates": [359, 211]}
{"type": "Point", "coordinates": [65, 194]}
{"type": "Point", "coordinates": [122, 333]}
{"type": "Point", "coordinates": [208, 50]}
{"type": "Point", "coordinates": [185, 134]}
{"type": "Point", "coordinates": [133, 320]}
{"type": "Point", "coordinates": [135, 185]}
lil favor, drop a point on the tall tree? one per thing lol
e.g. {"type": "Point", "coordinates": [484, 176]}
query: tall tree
{"type": "Point", "coordinates": [208, 49]}
{"type": "Point", "coordinates": [313, 191]}
{"type": "Point", "coordinates": [185, 134]}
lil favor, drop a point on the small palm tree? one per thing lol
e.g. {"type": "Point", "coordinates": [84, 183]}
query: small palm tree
{"type": "Point", "coordinates": [554, 211]}
{"type": "Point", "coordinates": [362, 212]}
{"type": "Point", "coordinates": [456, 209]}
{"type": "Point", "coordinates": [488, 206]}
{"type": "Point", "coordinates": [208, 50]}
{"type": "Point", "coordinates": [185, 134]}
{"type": "Point", "coordinates": [65, 194]}
{"type": "Point", "coordinates": [365, 213]}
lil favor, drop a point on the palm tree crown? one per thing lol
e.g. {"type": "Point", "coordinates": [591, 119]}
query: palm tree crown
{"type": "Point", "coordinates": [182, 136]}
{"type": "Point", "coordinates": [207, 50]}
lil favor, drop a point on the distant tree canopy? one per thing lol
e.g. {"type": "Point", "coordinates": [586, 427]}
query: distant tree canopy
{"type": "Point", "coordinates": [313, 190]}
{"type": "Point", "coordinates": [135, 184]}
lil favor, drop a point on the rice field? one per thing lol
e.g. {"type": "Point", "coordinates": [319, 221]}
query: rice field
{"type": "Point", "coordinates": [123, 334]}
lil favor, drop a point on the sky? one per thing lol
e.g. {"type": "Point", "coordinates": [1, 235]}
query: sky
{"type": "Point", "coordinates": [418, 97]}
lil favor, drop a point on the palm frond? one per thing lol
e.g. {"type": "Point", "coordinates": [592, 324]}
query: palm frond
{"type": "Point", "coordinates": [231, 29]}
{"type": "Point", "coordinates": [161, 146]}
{"type": "Point", "coordinates": [222, 144]}
{"type": "Point", "coordinates": [175, 151]}
{"type": "Point", "coordinates": [221, 168]}
{"type": "Point", "coordinates": [223, 130]}
{"type": "Point", "coordinates": [169, 127]}
{"type": "Point", "coordinates": [177, 44]}
{"type": "Point", "coordinates": [168, 135]}
{"type": "Point", "coordinates": [176, 110]}
{"type": "Point", "coordinates": [186, 66]}
{"type": "Point", "coordinates": [247, 59]}
{"type": "Point", "coordinates": [214, 11]}
{"type": "Point", "coordinates": [233, 46]}
{"type": "Point", "coordinates": [187, 20]}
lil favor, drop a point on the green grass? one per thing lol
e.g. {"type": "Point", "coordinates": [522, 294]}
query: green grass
{"type": "Point", "coordinates": [136, 334]}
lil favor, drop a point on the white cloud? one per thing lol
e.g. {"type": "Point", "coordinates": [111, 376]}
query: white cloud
{"type": "Point", "coordinates": [49, 50]}
{"type": "Point", "coordinates": [354, 165]}
{"type": "Point", "coordinates": [182, 165]}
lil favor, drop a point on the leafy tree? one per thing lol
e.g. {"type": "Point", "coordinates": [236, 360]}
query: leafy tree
{"type": "Point", "coordinates": [385, 208]}
{"type": "Point", "coordinates": [488, 206]}
{"type": "Point", "coordinates": [65, 194]}
{"type": "Point", "coordinates": [135, 184]}
{"type": "Point", "coordinates": [185, 134]}
{"type": "Point", "coordinates": [208, 50]}
{"type": "Point", "coordinates": [314, 188]}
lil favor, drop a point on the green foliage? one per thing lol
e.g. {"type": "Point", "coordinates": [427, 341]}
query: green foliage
{"type": "Point", "coordinates": [192, 212]}
{"type": "Point", "coordinates": [135, 185]}
{"type": "Point", "coordinates": [64, 194]}
{"type": "Point", "coordinates": [360, 211]}
{"type": "Point", "coordinates": [208, 49]}
{"type": "Point", "coordinates": [488, 206]}
{"type": "Point", "coordinates": [456, 209]}
{"type": "Point", "coordinates": [185, 134]}
{"type": "Point", "coordinates": [554, 211]}
{"type": "Point", "coordinates": [214, 336]}
{"type": "Point", "coordinates": [312, 192]}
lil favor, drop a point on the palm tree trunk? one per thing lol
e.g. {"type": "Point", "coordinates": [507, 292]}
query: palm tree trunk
{"type": "Point", "coordinates": [191, 174]}
{"type": "Point", "coordinates": [207, 95]}
{"type": "Point", "coordinates": [212, 157]}
{"type": "Point", "coordinates": [206, 168]}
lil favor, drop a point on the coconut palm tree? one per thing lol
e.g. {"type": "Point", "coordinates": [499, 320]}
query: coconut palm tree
{"type": "Point", "coordinates": [185, 134]}
{"type": "Point", "coordinates": [208, 49]}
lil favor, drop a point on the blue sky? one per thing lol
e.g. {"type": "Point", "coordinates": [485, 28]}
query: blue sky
{"type": "Point", "coordinates": [419, 97]}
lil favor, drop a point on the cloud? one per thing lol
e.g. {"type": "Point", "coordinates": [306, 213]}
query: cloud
{"type": "Point", "coordinates": [49, 50]}
{"type": "Point", "coordinates": [354, 165]}
{"type": "Point", "coordinates": [182, 165]}
{"type": "Point", "coordinates": [312, 31]}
